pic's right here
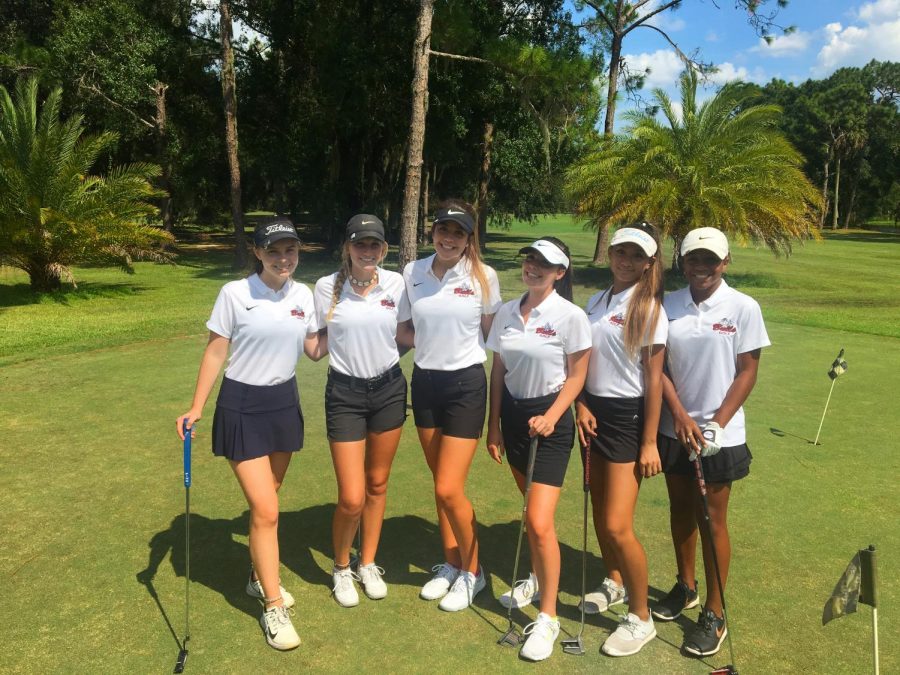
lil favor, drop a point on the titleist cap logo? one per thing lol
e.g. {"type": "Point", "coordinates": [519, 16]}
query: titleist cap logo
{"type": "Point", "coordinates": [278, 227]}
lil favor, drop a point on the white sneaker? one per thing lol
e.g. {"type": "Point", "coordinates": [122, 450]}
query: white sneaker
{"type": "Point", "coordinates": [254, 590]}
{"type": "Point", "coordinates": [542, 636]}
{"type": "Point", "coordinates": [344, 590]}
{"type": "Point", "coordinates": [523, 593]}
{"type": "Point", "coordinates": [280, 633]}
{"type": "Point", "coordinates": [444, 576]}
{"type": "Point", "coordinates": [463, 591]}
{"type": "Point", "coordinates": [372, 583]}
{"type": "Point", "coordinates": [630, 636]}
{"type": "Point", "coordinates": [608, 595]}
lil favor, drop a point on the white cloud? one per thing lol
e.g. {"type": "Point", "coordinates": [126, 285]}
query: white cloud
{"type": "Point", "coordinates": [728, 72]}
{"type": "Point", "coordinates": [784, 45]}
{"type": "Point", "coordinates": [878, 37]}
{"type": "Point", "coordinates": [712, 36]}
{"type": "Point", "coordinates": [664, 66]}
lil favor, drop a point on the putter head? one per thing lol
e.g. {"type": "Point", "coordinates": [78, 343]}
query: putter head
{"type": "Point", "coordinates": [179, 664]}
{"type": "Point", "coordinates": [510, 638]}
{"type": "Point", "coordinates": [573, 646]}
{"type": "Point", "coordinates": [724, 670]}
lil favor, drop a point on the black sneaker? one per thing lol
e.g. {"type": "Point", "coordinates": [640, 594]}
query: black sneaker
{"type": "Point", "coordinates": [707, 637]}
{"type": "Point", "coordinates": [680, 598]}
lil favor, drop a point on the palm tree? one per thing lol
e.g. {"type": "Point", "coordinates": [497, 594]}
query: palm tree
{"type": "Point", "coordinates": [723, 163]}
{"type": "Point", "coordinates": [53, 213]}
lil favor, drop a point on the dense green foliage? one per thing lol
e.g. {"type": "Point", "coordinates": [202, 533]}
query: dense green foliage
{"type": "Point", "coordinates": [721, 163]}
{"type": "Point", "coordinates": [53, 213]}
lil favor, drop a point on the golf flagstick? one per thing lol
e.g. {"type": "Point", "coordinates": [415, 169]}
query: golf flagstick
{"type": "Point", "coordinates": [701, 483]}
{"type": "Point", "coordinates": [183, 653]}
{"type": "Point", "coordinates": [511, 637]}
{"type": "Point", "coordinates": [576, 645]}
{"type": "Point", "coordinates": [838, 368]}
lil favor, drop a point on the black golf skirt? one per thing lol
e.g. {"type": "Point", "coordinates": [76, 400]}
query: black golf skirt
{"type": "Point", "coordinates": [620, 424]}
{"type": "Point", "coordinates": [553, 452]}
{"type": "Point", "coordinates": [252, 421]}
{"type": "Point", "coordinates": [729, 464]}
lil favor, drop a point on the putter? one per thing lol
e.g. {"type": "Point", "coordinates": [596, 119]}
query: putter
{"type": "Point", "coordinates": [575, 645]}
{"type": "Point", "coordinates": [512, 638]}
{"type": "Point", "coordinates": [701, 483]}
{"type": "Point", "coordinates": [183, 652]}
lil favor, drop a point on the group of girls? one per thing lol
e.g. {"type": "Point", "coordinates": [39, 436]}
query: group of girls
{"type": "Point", "coordinates": [697, 349]}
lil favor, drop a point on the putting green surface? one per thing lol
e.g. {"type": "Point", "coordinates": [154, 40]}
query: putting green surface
{"type": "Point", "coordinates": [92, 567]}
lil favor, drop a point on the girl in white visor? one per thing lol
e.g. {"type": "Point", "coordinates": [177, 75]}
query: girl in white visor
{"type": "Point", "coordinates": [541, 342]}
{"type": "Point", "coordinates": [453, 296]}
{"type": "Point", "coordinates": [359, 307]}
{"type": "Point", "coordinates": [266, 322]}
{"type": "Point", "coordinates": [716, 335]}
{"type": "Point", "coordinates": [618, 416]}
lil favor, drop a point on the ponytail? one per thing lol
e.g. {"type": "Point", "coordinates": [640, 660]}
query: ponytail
{"type": "Point", "coordinates": [563, 285]}
{"type": "Point", "coordinates": [646, 300]}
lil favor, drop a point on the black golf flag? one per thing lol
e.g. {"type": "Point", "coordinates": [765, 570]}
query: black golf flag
{"type": "Point", "coordinates": [857, 584]}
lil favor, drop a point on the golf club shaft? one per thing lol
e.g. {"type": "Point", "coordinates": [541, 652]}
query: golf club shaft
{"type": "Point", "coordinates": [188, 433]}
{"type": "Point", "coordinates": [701, 483]}
{"type": "Point", "coordinates": [587, 488]}
{"type": "Point", "coordinates": [532, 453]}
{"type": "Point", "coordinates": [827, 401]}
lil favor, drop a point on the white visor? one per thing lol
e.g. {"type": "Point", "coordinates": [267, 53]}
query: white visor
{"type": "Point", "coordinates": [632, 235]}
{"type": "Point", "coordinates": [552, 253]}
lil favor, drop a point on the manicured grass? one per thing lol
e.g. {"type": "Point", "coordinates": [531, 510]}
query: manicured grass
{"type": "Point", "coordinates": [91, 568]}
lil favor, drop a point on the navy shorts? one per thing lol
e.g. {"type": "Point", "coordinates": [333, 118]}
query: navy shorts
{"type": "Point", "coordinates": [253, 421]}
{"type": "Point", "coordinates": [553, 452]}
{"type": "Point", "coordinates": [729, 464]}
{"type": "Point", "coordinates": [453, 401]}
{"type": "Point", "coordinates": [620, 425]}
{"type": "Point", "coordinates": [356, 406]}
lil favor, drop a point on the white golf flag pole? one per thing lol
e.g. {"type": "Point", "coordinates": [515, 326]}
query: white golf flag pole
{"type": "Point", "coordinates": [838, 368]}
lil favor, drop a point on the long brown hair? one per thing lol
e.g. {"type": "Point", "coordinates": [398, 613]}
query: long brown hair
{"type": "Point", "coordinates": [646, 300]}
{"type": "Point", "coordinates": [472, 251]}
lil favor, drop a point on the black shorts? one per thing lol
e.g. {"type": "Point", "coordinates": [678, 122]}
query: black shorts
{"type": "Point", "coordinates": [253, 421]}
{"type": "Point", "coordinates": [553, 452]}
{"type": "Point", "coordinates": [727, 465]}
{"type": "Point", "coordinates": [453, 401]}
{"type": "Point", "coordinates": [620, 425]}
{"type": "Point", "coordinates": [355, 406]}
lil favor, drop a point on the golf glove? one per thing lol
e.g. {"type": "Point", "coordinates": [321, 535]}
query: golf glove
{"type": "Point", "coordinates": [712, 435]}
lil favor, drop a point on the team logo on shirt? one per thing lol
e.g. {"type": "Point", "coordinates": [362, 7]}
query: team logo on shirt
{"type": "Point", "coordinates": [617, 319]}
{"type": "Point", "coordinates": [464, 290]}
{"type": "Point", "coordinates": [545, 331]}
{"type": "Point", "coordinates": [724, 327]}
{"type": "Point", "coordinates": [298, 312]}
{"type": "Point", "coordinates": [388, 303]}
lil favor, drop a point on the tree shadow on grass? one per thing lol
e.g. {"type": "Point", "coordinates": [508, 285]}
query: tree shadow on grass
{"type": "Point", "coordinates": [15, 295]}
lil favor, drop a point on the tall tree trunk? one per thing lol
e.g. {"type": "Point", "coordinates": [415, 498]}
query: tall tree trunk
{"type": "Point", "coordinates": [229, 97]}
{"type": "Point", "coordinates": [426, 179]}
{"type": "Point", "coordinates": [409, 214]}
{"type": "Point", "coordinates": [484, 179]}
{"type": "Point", "coordinates": [848, 214]}
{"type": "Point", "coordinates": [162, 155]}
{"type": "Point", "coordinates": [837, 192]}
{"type": "Point", "coordinates": [615, 58]}
{"type": "Point", "coordinates": [824, 212]}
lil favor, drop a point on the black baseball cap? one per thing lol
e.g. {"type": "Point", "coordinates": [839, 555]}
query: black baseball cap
{"type": "Point", "coordinates": [268, 233]}
{"type": "Point", "coordinates": [365, 225]}
{"type": "Point", "coordinates": [455, 215]}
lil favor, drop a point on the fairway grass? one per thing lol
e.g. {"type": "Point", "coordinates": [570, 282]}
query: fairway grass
{"type": "Point", "coordinates": [92, 567]}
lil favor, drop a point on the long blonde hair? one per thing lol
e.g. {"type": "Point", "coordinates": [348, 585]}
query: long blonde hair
{"type": "Point", "coordinates": [472, 251]}
{"type": "Point", "coordinates": [344, 272]}
{"type": "Point", "coordinates": [646, 300]}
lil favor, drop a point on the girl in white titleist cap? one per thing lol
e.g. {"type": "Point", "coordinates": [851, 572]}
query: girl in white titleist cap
{"type": "Point", "coordinates": [618, 416]}
{"type": "Point", "coordinates": [453, 296]}
{"type": "Point", "coordinates": [266, 321]}
{"type": "Point", "coordinates": [541, 343]}
{"type": "Point", "coordinates": [716, 335]}
{"type": "Point", "coordinates": [360, 306]}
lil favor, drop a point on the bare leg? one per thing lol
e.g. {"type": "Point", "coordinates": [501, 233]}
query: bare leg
{"type": "Point", "coordinates": [380, 450]}
{"type": "Point", "coordinates": [607, 550]}
{"type": "Point", "coordinates": [683, 505]}
{"type": "Point", "coordinates": [454, 457]}
{"type": "Point", "coordinates": [431, 444]}
{"type": "Point", "coordinates": [717, 497]}
{"type": "Point", "coordinates": [348, 459]}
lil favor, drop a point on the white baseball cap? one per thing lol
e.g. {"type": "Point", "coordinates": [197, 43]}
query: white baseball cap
{"type": "Point", "coordinates": [552, 253]}
{"type": "Point", "coordinates": [632, 235]}
{"type": "Point", "coordinates": [705, 238]}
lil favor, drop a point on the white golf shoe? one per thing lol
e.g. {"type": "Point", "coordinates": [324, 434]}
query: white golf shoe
{"type": "Point", "coordinates": [608, 595]}
{"type": "Point", "coordinates": [344, 591]}
{"type": "Point", "coordinates": [372, 583]}
{"type": "Point", "coordinates": [630, 636]}
{"type": "Point", "coordinates": [276, 624]}
{"type": "Point", "coordinates": [254, 590]}
{"type": "Point", "coordinates": [463, 591]}
{"type": "Point", "coordinates": [522, 594]}
{"type": "Point", "coordinates": [436, 587]}
{"type": "Point", "coordinates": [542, 636]}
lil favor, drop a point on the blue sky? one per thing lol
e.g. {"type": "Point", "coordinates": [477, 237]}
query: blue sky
{"type": "Point", "coordinates": [830, 34]}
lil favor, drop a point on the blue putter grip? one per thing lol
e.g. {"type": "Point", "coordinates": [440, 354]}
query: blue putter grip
{"type": "Point", "coordinates": [187, 455]}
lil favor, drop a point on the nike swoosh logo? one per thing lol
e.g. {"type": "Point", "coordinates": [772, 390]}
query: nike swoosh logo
{"type": "Point", "coordinates": [249, 307]}
{"type": "Point", "coordinates": [367, 222]}
{"type": "Point", "coordinates": [451, 212]}
{"type": "Point", "coordinates": [507, 326]}
{"type": "Point", "coordinates": [702, 238]}
{"type": "Point", "coordinates": [418, 284]}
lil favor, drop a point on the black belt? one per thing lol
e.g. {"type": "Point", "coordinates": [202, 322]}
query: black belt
{"type": "Point", "coordinates": [370, 384]}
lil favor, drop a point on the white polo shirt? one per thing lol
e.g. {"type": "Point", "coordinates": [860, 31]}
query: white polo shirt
{"type": "Point", "coordinates": [266, 328]}
{"type": "Point", "coordinates": [704, 343]}
{"type": "Point", "coordinates": [362, 331]}
{"type": "Point", "coordinates": [447, 313]}
{"type": "Point", "coordinates": [534, 353]}
{"type": "Point", "coordinates": [611, 371]}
